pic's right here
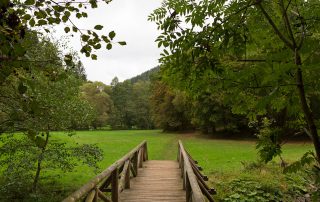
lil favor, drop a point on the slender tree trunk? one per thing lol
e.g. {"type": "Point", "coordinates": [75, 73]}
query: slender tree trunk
{"type": "Point", "coordinates": [40, 158]}
{"type": "Point", "coordinates": [305, 107]}
{"type": "Point", "coordinates": [299, 77]}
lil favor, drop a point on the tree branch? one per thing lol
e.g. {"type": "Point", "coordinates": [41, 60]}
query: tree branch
{"type": "Point", "coordinates": [275, 28]}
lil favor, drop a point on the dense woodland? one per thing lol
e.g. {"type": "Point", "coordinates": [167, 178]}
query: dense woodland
{"type": "Point", "coordinates": [227, 67]}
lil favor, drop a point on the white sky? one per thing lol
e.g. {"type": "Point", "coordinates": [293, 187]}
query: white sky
{"type": "Point", "coordinates": [128, 18]}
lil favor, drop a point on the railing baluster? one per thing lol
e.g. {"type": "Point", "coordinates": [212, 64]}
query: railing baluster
{"type": "Point", "coordinates": [140, 157]}
{"type": "Point", "coordinates": [115, 186]}
{"type": "Point", "coordinates": [145, 152]}
{"type": "Point", "coordinates": [127, 177]}
{"type": "Point", "coordinates": [123, 176]}
{"type": "Point", "coordinates": [135, 162]}
{"type": "Point", "coordinates": [90, 196]}
{"type": "Point", "coordinates": [111, 175]}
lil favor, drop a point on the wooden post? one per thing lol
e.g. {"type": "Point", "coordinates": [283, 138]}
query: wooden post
{"type": "Point", "coordinates": [132, 170]}
{"type": "Point", "coordinates": [90, 196]}
{"type": "Point", "coordinates": [123, 177]}
{"type": "Point", "coordinates": [187, 188]}
{"type": "Point", "coordinates": [95, 199]}
{"type": "Point", "coordinates": [135, 162]}
{"type": "Point", "coordinates": [115, 185]}
{"type": "Point", "coordinates": [127, 177]}
{"type": "Point", "coordinates": [140, 157]}
{"type": "Point", "coordinates": [145, 152]}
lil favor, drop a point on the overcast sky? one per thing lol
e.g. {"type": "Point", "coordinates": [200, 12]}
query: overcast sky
{"type": "Point", "coordinates": [128, 18]}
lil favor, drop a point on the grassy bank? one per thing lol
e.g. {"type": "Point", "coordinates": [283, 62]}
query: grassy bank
{"type": "Point", "coordinates": [222, 160]}
{"type": "Point", "coordinates": [217, 157]}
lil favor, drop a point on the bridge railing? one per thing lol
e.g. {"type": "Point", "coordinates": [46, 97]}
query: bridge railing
{"type": "Point", "coordinates": [193, 180]}
{"type": "Point", "coordinates": [114, 179]}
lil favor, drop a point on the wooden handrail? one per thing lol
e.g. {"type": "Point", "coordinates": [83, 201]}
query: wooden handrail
{"type": "Point", "coordinates": [193, 180]}
{"type": "Point", "coordinates": [96, 186]}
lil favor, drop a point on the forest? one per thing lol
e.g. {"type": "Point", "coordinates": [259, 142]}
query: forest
{"type": "Point", "coordinates": [230, 71]}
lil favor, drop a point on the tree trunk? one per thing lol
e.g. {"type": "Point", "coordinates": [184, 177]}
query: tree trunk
{"type": "Point", "coordinates": [40, 158]}
{"type": "Point", "coordinates": [305, 107]}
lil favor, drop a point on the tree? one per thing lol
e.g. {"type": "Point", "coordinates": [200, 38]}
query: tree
{"type": "Point", "coordinates": [142, 108]}
{"type": "Point", "coordinates": [96, 94]}
{"type": "Point", "coordinates": [219, 46]}
{"type": "Point", "coordinates": [170, 109]}
{"type": "Point", "coordinates": [38, 99]}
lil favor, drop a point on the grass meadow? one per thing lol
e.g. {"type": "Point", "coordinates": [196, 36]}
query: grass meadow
{"type": "Point", "coordinates": [222, 160]}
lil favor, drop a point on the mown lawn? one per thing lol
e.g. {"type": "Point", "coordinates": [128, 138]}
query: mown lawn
{"type": "Point", "coordinates": [217, 157]}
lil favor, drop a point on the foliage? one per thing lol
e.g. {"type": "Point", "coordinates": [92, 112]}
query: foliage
{"type": "Point", "coordinates": [18, 157]}
{"type": "Point", "coordinates": [17, 18]}
{"type": "Point", "coordinates": [39, 98]}
{"type": "Point", "coordinates": [96, 93]}
{"type": "Point", "coordinates": [131, 107]}
{"type": "Point", "coordinates": [246, 190]}
{"type": "Point", "coordinates": [264, 69]}
{"type": "Point", "coordinates": [170, 108]}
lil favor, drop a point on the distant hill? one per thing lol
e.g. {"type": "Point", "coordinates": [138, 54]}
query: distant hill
{"type": "Point", "coordinates": [145, 76]}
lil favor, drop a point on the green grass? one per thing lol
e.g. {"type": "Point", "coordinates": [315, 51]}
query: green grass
{"type": "Point", "coordinates": [215, 156]}
{"type": "Point", "coordinates": [222, 160]}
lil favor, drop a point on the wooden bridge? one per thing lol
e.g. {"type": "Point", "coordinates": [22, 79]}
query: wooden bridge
{"type": "Point", "coordinates": [134, 178]}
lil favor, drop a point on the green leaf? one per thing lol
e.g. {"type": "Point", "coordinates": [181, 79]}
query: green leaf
{"type": "Point", "coordinates": [122, 43]}
{"type": "Point", "coordinates": [85, 37]}
{"type": "Point", "coordinates": [67, 29]}
{"type": "Point", "coordinates": [78, 15]}
{"type": "Point", "coordinates": [93, 56]}
{"type": "Point", "coordinates": [98, 27]}
{"type": "Point", "coordinates": [112, 34]}
{"type": "Point", "coordinates": [105, 39]}
{"type": "Point", "coordinates": [27, 17]}
{"type": "Point", "coordinates": [32, 22]}
{"type": "Point", "coordinates": [109, 46]}
{"type": "Point", "coordinates": [29, 2]}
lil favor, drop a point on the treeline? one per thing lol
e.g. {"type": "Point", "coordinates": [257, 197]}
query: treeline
{"type": "Point", "coordinates": [147, 102]}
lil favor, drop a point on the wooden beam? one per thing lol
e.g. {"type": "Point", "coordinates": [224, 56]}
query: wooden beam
{"type": "Point", "coordinates": [191, 178]}
{"type": "Point", "coordinates": [90, 196]}
{"type": "Point", "coordinates": [132, 170]}
{"type": "Point", "coordinates": [123, 176]}
{"type": "Point", "coordinates": [77, 195]}
{"type": "Point", "coordinates": [115, 186]}
{"type": "Point", "coordinates": [102, 196]}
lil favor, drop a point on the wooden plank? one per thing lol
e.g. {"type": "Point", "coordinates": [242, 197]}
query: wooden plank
{"type": "Point", "coordinates": [157, 181]}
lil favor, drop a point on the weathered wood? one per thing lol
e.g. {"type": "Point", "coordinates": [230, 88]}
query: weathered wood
{"type": "Point", "coordinates": [115, 186]}
{"type": "Point", "coordinates": [140, 157]}
{"type": "Point", "coordinates": [95, 199]}
{"type": "Point", "coordinates": [132, 170]}
{"type": "Point", "coordinates": [135, 162]}
{"type": "Point", "coordinates": [102, 196]}
{"type": "Point", "coordinates": [123, 177]}
{"type": "Point", "coordinates": [105, 184]}
{"type": "Point", "coordinates": [195, 193]}
{"type": "Point", "coordinates": [127, 177]}
{"type": "Point", "coordinates": [145, 152]}
{"type": "Point", "coordinates": [157, 181]}
{"type": "Point", "coordinates": [206, 192]}
{"type": "Point", "coordinates": [77, 195]}
{"type": "Point", "coordinates": [90, 196]}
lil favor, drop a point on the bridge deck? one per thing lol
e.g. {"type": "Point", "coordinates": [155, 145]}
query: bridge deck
{"type": "Point", "coordinates": [156, 181]}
